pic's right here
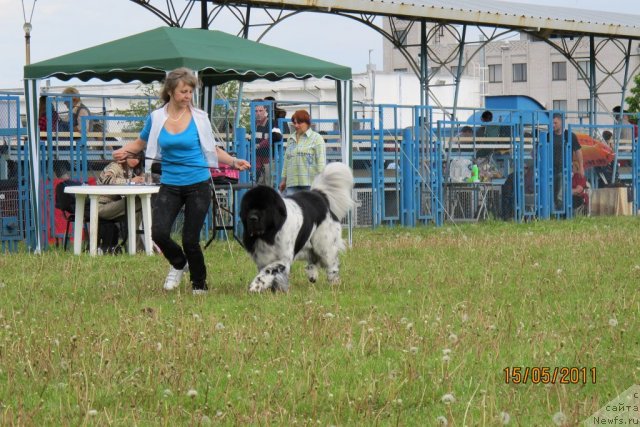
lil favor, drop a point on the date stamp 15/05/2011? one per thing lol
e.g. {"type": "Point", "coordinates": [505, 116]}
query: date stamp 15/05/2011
{"type": "Point", "coordinates": [549, 375]}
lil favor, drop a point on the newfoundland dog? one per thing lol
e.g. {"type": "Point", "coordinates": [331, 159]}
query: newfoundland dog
{"type": "Point", "coordinates": [305, 225]}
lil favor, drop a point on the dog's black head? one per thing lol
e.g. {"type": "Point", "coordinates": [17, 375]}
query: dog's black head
{"type": "Point", "coordinates": [262, 212]}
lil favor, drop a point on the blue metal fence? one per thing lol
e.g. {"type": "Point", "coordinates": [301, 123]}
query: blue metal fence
{"type": "Point", "coordinates": [401, 157]}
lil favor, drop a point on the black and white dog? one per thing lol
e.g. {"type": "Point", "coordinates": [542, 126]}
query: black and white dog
{"type": "Point", "coordinates": [305, 225]}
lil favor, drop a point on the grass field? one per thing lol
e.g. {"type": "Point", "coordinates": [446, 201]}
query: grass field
{"type": "Point", "coordinates": [419, 332]}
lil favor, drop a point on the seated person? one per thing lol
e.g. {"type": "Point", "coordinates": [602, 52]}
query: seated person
{"type": "Point", "coordinates": [464, 136]}
{"type": "Point", "coordinates": [579, 191]}
{"type": "Point", "coordinates": [466, 132]}
{"type": "Point", "coordinates": [77, 109]}
{"type": "Point", "coordinates": [42, 115]}
{"type": "Point", "coordinates": [605, 173]}
{"type": "Point", "coordinates": [508, 190]}
{"type": "Point", "coordinates": [114, 207]}
{"type": "Point", "coordinates": [490, 131]}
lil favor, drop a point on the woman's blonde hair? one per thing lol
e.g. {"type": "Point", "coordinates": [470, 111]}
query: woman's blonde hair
{"type": "Point", "coordinates": [182, 74]}
{"type": "Point", "coordinates": [70, 91]}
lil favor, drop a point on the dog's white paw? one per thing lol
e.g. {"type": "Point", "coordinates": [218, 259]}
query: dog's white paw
{"type": "Point", "coordinates": [259, 285]}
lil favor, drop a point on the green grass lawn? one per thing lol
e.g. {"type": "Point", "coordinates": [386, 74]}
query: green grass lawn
{"type": "Point", "coordinates": [419, 332]}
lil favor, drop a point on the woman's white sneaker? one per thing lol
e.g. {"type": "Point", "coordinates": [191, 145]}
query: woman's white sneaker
{"type": "Point", "coordinates": [174, 277]}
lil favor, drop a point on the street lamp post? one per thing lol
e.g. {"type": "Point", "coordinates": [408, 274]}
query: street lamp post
{"type": "Point", "coordinates": [27, 40]}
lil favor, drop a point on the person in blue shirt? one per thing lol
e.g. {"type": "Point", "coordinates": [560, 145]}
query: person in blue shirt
{"type": "Point", "coordinates": [180, 136]}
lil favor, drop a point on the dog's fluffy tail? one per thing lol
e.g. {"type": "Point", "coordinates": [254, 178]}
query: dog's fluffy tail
{"type": "Point", "coordinates": [336, 182]}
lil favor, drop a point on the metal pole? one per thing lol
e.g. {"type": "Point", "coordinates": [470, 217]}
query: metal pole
{"type": "Point", "coordinates": [204, 21]}
{"type": "Point", "coordinates": [592, 81]}
{"type": "Point", "coordinates": [245, 34]}
{"type": "Point", "coordinates": [624, 92]}
{"type": "Point", "coordinates": [455, 97]}
{"type": "Point", "coordinates": [459, 73]}
{"type": "Point", "coordinates": [27, 41]}
{"type": "Point", "coordinates": [424, 78]}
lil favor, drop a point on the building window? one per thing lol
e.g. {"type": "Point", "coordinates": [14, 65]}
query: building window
{"type": "Point", "coordinates": [400, 70]}
{"type": "Point", "coordinates": [519, 73]}
{"type": "Point", "coordinates": [495, 73]}
{"type": "Point", "coordinates": [585, 67]}
{"type": "Point", "coordinates": [583, 107]}
{"type": "Point", "coordinates": [439, 34]}
{"type": "Point", "coordinates": [560, 104]}
{"type": "Point", "coordinates": [559, 71]}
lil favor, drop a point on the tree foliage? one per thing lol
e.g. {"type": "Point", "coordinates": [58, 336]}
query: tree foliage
{"type": "Point", "coordinates": [222, 117]}
{"type": "Point", "coordinates": [141, 107]}
{"type": "Point", "coordinates": [633, 101]}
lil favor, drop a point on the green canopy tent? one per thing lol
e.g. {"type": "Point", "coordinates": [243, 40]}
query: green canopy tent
{"type": "Point", "coordinates": [147, 57]}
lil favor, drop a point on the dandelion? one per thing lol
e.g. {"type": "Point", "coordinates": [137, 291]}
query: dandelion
{"type": "Point", "coordinates": [413, 350]}
{"type": "Point", "coordinates": [92, 412]}
{"type": "Point", "coordinates": [559, 418]}
{"type": "Point", "coordinates": [167, 392]}
{"type": "Point", "coordinates": [409, 326]}
{"type": "Point", "coordinates": [559, 271]}
{"type": "Point", "coordinates": [453, 338]}
{"type": "Point", "coordinates": [219, 414]}
{"type": "Point", "coordinates": [362, 322]}
{"type": "Point", "coordinates": [613, 322]}
{"type": "Point", "coordinates": [505, 418]}
{"type": "Point", "coordinates": [205, 421]}
{"type": "Point", "coordinates": [448, 399]}
{"type": "Point", "coordinates": [2, 285]}
{"type": "Point", "coordinates": [446, 351]}
{"type": "Point", "coordinates": [329, 316]}
{"type": "Point", "coordinates": [158, 346]}
{"type": "Point", "coordinates": [442, 421]}
{"type": "Point", "coordinates": [219, 326]}
{"type": "Point", "coordinates": [192, 393]}
{"type": "Point", "coordinates": [404, 320]}
{"type": "Point", "coordinates": [446, 358]}
{"type": "Point", "coordinates": [535, 264]}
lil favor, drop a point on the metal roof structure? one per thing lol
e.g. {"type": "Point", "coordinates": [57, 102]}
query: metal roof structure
{"type": "Point", "coordinates": [529, 17]}
{"type": "Point", "coordinates": [562, 28]}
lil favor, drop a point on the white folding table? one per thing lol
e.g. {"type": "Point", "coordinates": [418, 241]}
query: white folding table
{"type": "Point", "coordinates": [132, 191]}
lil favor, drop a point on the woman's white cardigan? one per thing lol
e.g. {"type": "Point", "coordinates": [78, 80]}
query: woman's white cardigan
{"type": "Point", "coordinates": [201, 119]}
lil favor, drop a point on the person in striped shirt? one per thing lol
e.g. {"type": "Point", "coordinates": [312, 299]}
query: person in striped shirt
{"type": "Point", "coordinates": [304, 157]}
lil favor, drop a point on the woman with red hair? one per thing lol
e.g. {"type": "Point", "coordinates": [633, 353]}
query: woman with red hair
{"type": "Point", "coordinates": [304, 157]}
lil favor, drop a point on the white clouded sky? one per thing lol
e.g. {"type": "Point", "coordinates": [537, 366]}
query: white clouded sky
{"type": "Point", "coordinates": [63, 26]}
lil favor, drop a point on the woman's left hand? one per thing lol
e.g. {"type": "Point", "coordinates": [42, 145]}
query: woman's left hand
{"type": "Point", "coordinates": [241, 164]}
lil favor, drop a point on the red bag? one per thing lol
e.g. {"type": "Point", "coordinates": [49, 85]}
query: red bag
{"type": "Point", "coordinates": [225, 173]}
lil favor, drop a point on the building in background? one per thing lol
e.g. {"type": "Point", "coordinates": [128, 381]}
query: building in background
{"type": "Point", "coordinates": [521, 65]}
